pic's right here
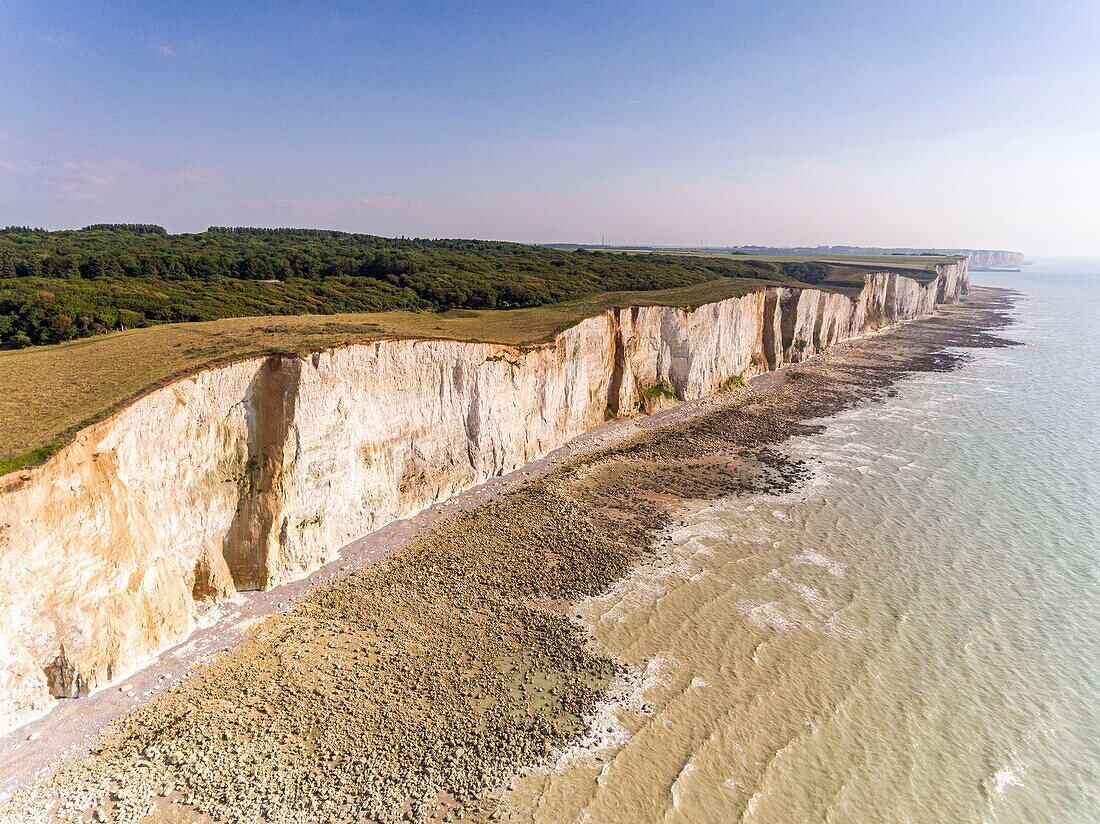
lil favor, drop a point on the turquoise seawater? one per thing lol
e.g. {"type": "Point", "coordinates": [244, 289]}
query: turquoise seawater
{"type": "Point", "coordinates": [912, 637]}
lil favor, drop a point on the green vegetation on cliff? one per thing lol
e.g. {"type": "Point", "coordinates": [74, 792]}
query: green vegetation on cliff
{"type": "Point", "coordinates": [58, 286]}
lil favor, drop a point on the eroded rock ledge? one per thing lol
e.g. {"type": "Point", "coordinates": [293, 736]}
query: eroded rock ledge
{"type": "Point", "coordinates": [252, 474]}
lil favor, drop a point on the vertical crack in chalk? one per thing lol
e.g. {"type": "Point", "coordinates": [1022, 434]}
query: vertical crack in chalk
{"type": "Point", "coordinates": [788, 319]}
{"type": "Point", "coordinates": [618, 365]}
{"type": "Point", "coordinates": [771, 355]}
{"type": "Point", "coordinates": [252, 542]}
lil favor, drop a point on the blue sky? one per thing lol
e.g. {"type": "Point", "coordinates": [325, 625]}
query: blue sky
{"type": "Point", "coordinates": [971, 124]}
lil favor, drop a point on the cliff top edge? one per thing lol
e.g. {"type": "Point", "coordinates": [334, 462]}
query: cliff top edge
{"type": "Point", "coordinates": [50, 393]}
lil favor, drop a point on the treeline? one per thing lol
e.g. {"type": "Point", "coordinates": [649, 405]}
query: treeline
{"type": "Point", "coordinates": [806, 272]}
{"type": "Point", "coordinates": [56, 286]}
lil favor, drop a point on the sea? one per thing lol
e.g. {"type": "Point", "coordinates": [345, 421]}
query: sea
{"type": "Point", "coordinates": [913, 636]}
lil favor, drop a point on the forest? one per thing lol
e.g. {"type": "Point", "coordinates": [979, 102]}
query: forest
{"type": "Point", "coordinates": [60, 285]}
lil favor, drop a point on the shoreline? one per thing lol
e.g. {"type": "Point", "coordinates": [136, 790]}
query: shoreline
{"type": "Point", "coordinates": [745, 638]}
{"type": "Point", "coordinates": [225, 625]}
{"type": "Point", "coordinates": [583, 479]}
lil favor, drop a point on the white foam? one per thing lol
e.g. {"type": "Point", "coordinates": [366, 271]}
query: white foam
{"type": "Point", "coordinates": [812, 596]}
{"type": "Point", "coordinates": [767, 615]}
{"type": "Point", "coordinates": [811, 556]}
{"type": "Point", "coordinates": [674, 790]}
{"type": "Point", "coordinates": [1004, 778]}
{"type": "Point", "coordinates": [843, 628]}
{"type": "Point", "coordinates": [606, 732]}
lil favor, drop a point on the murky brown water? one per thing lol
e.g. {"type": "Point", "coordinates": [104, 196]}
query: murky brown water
{"type": "Point", "coordinates": [913, 637]}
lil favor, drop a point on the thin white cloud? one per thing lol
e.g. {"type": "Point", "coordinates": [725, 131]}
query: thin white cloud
{"type": "Point", "coordinates": [280, 202]}
{"type": "Point", "coordinates": [389, 202]}
{"type": "Point", "coordinates": [194, 177]}
{"type": "Point", "coordinates": [164, 49]}
{"type": "Point", "coordinates": [99, 180]}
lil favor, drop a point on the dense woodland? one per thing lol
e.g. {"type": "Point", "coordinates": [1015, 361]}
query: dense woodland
{"type": "Point", "coordinates": [56, 286]}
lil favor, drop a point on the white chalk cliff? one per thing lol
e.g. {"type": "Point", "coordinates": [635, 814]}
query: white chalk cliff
{"type": "Point", "coordinates": [255, 473]}
{"type": "Point", "coordinates": [993, 259]}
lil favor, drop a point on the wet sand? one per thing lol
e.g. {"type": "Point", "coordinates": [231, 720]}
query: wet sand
{"type": "Point", "coordinates": [415, 685]}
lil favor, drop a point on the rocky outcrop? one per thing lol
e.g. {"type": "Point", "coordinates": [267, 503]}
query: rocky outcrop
{"type": "Point", "coordinates": [255, 473]}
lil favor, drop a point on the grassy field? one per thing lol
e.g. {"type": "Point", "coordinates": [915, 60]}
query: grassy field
{"type": "Point", "coordinates": [898, 262]}
{"type": "Point", "coordinates": [919, 265]}
{"type": "Point", "coordinates": [48, 393]}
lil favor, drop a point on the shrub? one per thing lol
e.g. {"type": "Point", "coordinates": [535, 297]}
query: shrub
{"type": "Point", "coordinates": [661, 389]}
{"type": "Point", "coordinates": [733, 382]}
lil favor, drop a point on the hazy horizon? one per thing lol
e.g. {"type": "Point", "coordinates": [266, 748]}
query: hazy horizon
{"type": "Point", "coordinates": [938, 125]}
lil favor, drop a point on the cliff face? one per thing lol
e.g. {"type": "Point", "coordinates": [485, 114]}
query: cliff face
{"type": "Point", "coordinates": [993, 259]}
{"type": "Point", "coordinates": [248, 475]}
